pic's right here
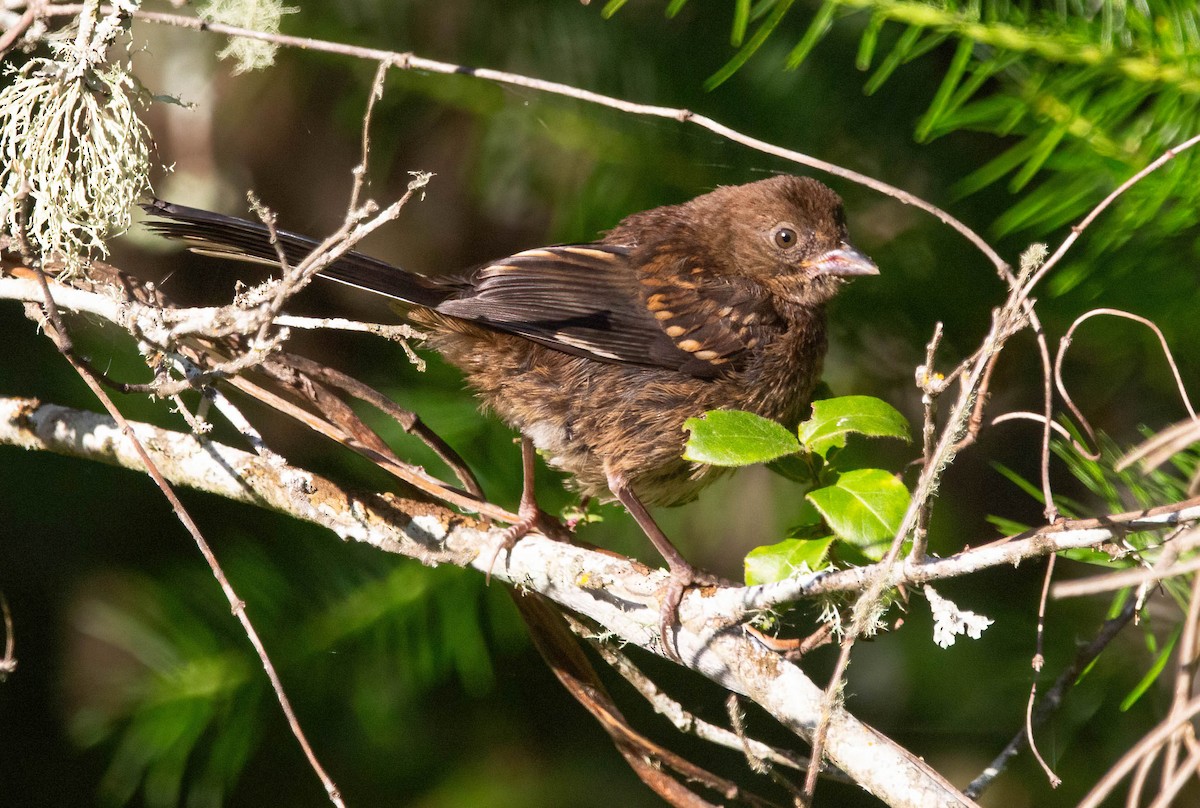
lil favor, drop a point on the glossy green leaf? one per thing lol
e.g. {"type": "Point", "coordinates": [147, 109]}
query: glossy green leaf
{"type": "Point", "coordinates": [774, 562]}
{"type": "Point", "coordinates": [835, 418]}
{"type": "Point", "coordinates": [865, 508]}
{"type": "Point", "coordinates": [803, 468]}
{"type": "Point", "coordinates": [735, 438]}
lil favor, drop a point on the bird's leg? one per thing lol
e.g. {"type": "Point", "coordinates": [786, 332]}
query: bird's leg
{"type": "Point", "coordinates": [682, 573]}
{"type": "Point", "coordinates": [530, 517]}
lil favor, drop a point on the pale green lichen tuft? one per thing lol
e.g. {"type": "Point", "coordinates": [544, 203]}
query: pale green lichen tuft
{"type": "Point", "coordinates": [256, 15]}
{"type": "Point", "coordinates": [74, 156]}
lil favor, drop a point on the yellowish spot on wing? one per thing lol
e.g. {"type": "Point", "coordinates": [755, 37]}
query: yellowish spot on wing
{"type": "Point", "coordinates": [587, 252]}
{"type": "Point", "coordinates": [538, 253]}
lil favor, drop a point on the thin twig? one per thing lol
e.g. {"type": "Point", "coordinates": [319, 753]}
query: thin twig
{"type": "Point", "coordinates": [1148, 745]}
{"type": "Point", "coordinates": [237, 604]}
{"type": "Point", "coordinates": [737, 720]}
{"type": "Point", "coordinates": [1065, 343]}
{"type": "Point", "coordinates": [1039, 660]}
{"type": "Point", "coordinates": [18, 29]}
{"type": "Point", "coordinates": [58, 333]}
{"type": "Point", "coordinates": [360, 170]}
{"type": "Point", "coordinates": [1059, 429]}
{"type": "Point", "coordinates": [9, 663]}
{"type": "Point", "coordinates": [409, 61]}
{"type": "Point", "coordinates": [1077, 230]}
{"type": "Point", "coordinates": [1049, 509]}
{"type": "Point", "coordinates": [1175, 783]}
{"type": "Point", "coordinates": [931, 386]}
{"type": "Point", "coordinates": [1051, 701]}
{"type": "Point", "coordinates": [1185, 673]}
{"type": "Point", "coordinates": [1137, 783]}
{"type": "Point", "coordinates": [684, 720]}
{"type": "Point", "coordinates": [1165, 567]}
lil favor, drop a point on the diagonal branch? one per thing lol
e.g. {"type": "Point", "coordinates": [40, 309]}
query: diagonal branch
{"type": "Point", "coordinates": [618, 594]}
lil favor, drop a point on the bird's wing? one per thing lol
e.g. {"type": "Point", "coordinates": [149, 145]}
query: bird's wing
{"type": "Point", "coordinates": [589, 300]}
{"type": "Point", "coordinates": [711, 316]}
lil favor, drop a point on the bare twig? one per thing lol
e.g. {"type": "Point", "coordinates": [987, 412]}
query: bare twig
{"type": "Point", "coordinates": [1179, 778]}
{"type": "Point", "coordinates": [1077, 230]}
{"type": "Point", "coordinates": [737, 720]}
{"type": "Point", "coordinates": [1065, 343]}
{"type": "Point", "coordinates": [1051, 701]}
{"type": "Point", "coordinates": [237, 605]}
{"type": "Point", "coordinates": [9, 663]}
{"type": "Point", "coordinates": [1159, 448]}
{"type": "Point", "coordinates": [620, 595]}
{"type": "Point", "coordinates": [931, 386]}
{"type": "Point", "coordinates": [675, 712]}
{"type": "Point", "coordinates": [9, 38]}
{"type": "Point", "coordinates": [1038, 661]}
{"type": "Point", "coordinates": [1185, 673]}
{"type": "Point", "coordinates": [360, 170]}
{"type": "Point", "coordinates": [1164, 568]}
{"type": "Point", "coordinates": [1059, 429]}
{"type": "Point", "coordinates": [1148, 745]}
{"type": "Point", "coordinates": [409, 61]}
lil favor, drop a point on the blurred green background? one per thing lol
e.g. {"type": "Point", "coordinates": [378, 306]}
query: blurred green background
{"type": "Point", "coordinates": [418, 686]}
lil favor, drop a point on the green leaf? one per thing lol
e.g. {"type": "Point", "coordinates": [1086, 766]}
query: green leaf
{"type": "Point", "coordinates": [735, 438]}
{"type": "Point", "coordinates": [835, 418]}
{"type": "Point", "coordinates": [741, 19]}
{"type": "Point", "coordinates": [865, 507]}
{"type": "Point", "coordinates": [674, 7]}
{"type": "Point", "coordinates": [1086, 555]}
{"type": "Point", "coordinates": [1006, 526]}
{"type": "Point", "coordinates": [742, 56]}
{"type": "Point", "coordinates": [816, 32]}
{"type": "Point", "coordinates": [799, 468]}
{"type": "Point", "coordinates": [898, 55]}
{"type": "Point", "coordinates": [774, 562]}
{"type": "Point", "coordinates": [1160, 662]}
{"type": "Point", "coordinates": [941, 99]}
{"type": "Point", "coordinates": [611, 8]}
{"type": "Point", "coordinates": [870, 37]}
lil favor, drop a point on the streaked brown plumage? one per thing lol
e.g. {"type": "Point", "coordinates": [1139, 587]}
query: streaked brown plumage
{"type": "Point", "coordinates": [597, 353]}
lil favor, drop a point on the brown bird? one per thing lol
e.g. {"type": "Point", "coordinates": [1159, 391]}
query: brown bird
{"type": "Point", "coordinates": [597, 353]}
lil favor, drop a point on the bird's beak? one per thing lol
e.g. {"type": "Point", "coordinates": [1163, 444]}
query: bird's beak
{"type": "Point", "coordinates": [844, 262]}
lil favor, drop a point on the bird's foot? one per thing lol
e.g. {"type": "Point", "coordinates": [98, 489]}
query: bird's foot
{"type": "Point", "coordinates": [530, 519]}
{"type": "Point", "coordinates": [682, 577]}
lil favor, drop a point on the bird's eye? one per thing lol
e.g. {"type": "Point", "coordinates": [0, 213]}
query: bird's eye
{"type": "Point", "coordinates": [784, 237]}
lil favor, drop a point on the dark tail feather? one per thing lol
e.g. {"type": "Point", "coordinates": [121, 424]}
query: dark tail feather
{"type": "Point", "coordinates": [241, 239]}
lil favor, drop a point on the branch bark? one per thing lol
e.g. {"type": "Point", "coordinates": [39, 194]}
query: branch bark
{"type": "Point", "coordinates": [618, 594]}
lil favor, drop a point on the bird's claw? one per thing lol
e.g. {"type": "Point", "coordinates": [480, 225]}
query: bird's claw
{"type": "Point", "coordinates": [680, 580]}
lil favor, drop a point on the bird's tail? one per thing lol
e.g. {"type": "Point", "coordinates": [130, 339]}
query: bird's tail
{"type": "Point", "coordinates": [224, 236]}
